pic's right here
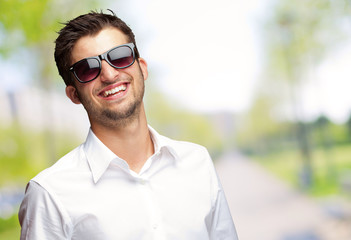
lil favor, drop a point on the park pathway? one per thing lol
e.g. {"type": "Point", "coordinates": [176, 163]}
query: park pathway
{"type": "Point", "coordinates": [264, 208]}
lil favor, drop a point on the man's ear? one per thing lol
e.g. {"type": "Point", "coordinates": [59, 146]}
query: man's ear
{"type": "Point", "coordinates": [72, 94]}
{"type": "Point", "coordinates": [143, 67]}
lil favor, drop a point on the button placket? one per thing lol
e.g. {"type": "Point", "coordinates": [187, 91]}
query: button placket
{"type": "Point", "coordinates": [152, 207]}
{"type": "Point", "coordinates": [142, 181]}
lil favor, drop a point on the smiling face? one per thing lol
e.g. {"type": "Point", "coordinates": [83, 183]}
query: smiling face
{"type": "Point", "coordinates": [115, 97]}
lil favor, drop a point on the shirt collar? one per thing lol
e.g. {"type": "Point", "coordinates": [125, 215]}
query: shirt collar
{"type": "Point", "coordinates": [99, 156]}
{"type": "Point", "coordinates": [162, 142]}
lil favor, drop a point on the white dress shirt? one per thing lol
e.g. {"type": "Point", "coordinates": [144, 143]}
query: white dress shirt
{"type": "Point", "coordinates": [92, 194]}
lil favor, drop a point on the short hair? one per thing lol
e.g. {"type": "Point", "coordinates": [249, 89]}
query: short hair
{"type": "Point", "coordinates": [88, 24]}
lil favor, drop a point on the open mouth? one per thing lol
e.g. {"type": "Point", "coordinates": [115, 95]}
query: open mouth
{"type": "Point", "coordinates": [114, 91]}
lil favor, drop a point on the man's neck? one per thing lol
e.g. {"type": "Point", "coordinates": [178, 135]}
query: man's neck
{"type": "Point", "coordinates": [132, 142]}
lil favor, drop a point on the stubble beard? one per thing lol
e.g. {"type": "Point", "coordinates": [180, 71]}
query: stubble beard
{"type": "Point", "coordinates": [109, 117]}
{"type": "Point", "coordinates": [114, 118]}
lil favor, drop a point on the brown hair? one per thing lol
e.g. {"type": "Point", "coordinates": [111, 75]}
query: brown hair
{"type": "Point", "coordinates": [85, 25]}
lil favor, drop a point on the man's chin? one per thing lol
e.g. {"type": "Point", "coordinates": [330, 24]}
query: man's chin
{"type": "Point", "coordinates": [121, 114]}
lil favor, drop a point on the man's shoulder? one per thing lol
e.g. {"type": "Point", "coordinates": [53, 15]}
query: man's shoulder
{"type": "Point", "coordinates": [178, 148]}
{"type": "Point", "coordinates": [182, 147]}
{"type": "Point", "coordinates": [68, 163]}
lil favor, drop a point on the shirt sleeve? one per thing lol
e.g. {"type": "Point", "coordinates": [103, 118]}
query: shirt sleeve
{"type": "Point", "coordinates": [41, 216]}
{"type": "Point", "coordinates": [222, 223]}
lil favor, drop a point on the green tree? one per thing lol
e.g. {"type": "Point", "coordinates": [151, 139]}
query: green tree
{"type": "Point", "coordinates": [176, 122]}
{"type": "Point", "coordinates": [298, 35]}
{"type": "Point", "coordinates": [348, 125]}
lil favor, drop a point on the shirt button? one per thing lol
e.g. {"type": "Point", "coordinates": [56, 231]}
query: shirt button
{"type": "Point", "coordinates": [142, 181]}
{"type": "Point", "coordinates": [155, 226]}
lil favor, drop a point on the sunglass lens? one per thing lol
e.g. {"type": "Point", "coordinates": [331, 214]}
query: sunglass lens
{"type": "Point", "coordinates": [87, 70]}
{"type": "Point", "coordinates": [121, 57]}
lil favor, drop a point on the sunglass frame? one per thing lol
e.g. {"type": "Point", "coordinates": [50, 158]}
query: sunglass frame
{"type": "Point", "coordinates": [101, 57]}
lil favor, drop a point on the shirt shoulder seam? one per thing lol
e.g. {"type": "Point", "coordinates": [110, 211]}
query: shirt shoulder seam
{"type": "Point", "coordinates": [57, 201]}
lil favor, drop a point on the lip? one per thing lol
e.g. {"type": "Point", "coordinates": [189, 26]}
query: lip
{"type": "Point", "coordinates": [115, 96]}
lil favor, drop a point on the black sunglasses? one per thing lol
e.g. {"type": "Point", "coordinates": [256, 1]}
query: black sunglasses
{"type": "Point", "coordinates": [88, 69]}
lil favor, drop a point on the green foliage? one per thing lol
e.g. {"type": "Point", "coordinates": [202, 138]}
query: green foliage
{"type": "Point", "coordinates": [25, 23]}
{"type": "Point", "coordinates": [300, 31]}
{"type": "Point", "coordinates": [29, 16]}
{"type": "Point", "coordinates": [348, 126]}
{"type": "Point", "coordinates": [23, 153]}
{"type": "Point", "coordinates": [284, 164]}
{"type": "Point", "coordinates": [259, 122]}
{"type": "Point", "coordinates": [32, 25]}
{"type": "Point", "coordinates": [272, 135]}
{"type": "Point", "coordinates": [10, 228]}
{"type": "Point", "coordinates": [30, 22]}
{"type": "Point", "coordinates": [179, 124]}
{"type": "Point", "coordinates": [329, 156]}
{"type": "Point", "coordinates": [298, 35]}
{"type": "Point", "coordinates": [328, 167]}
{"type": "Point", "coordinates": [326, 133]}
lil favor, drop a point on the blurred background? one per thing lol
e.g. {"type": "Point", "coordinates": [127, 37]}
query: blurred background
{"type": "Point", "coordinates": [263, 84]}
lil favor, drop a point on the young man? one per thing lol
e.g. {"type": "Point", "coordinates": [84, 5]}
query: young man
{"type": "Point", "coordinates": [126, 181]}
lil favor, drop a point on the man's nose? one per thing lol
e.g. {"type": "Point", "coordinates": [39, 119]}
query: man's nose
{"type": "Point", "coordinates": [108, 73]}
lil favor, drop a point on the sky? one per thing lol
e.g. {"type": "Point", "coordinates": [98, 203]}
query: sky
{"type": "Point", "coordinates": [328, 88]}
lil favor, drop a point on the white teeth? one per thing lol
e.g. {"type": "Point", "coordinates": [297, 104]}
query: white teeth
{"type": "Point", "coordinates": [115, 90]}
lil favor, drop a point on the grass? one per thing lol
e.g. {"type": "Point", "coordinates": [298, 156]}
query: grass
{"type": "Point", "coordinates": [329, 166]}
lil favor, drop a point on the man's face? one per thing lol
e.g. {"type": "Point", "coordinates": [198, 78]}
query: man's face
{"type": "Point", "coordinates": [116, 95]}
